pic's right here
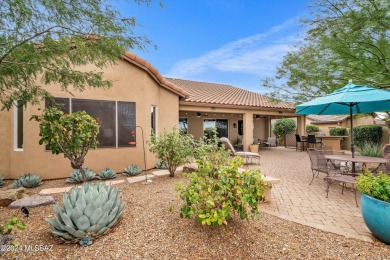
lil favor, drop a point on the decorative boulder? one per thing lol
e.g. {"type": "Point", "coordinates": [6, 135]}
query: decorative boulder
{"type": "Point", "coordinates": [10, 195]}
{"type": "Point", "coordinates": [32, 201]}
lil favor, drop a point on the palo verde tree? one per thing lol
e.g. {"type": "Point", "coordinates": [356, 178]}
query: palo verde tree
{"type": "Point", "coordinates": [345, 39]}
{"type": "Point", "coordinates": [44, 42]}
{"type": "Point", "coordinates": [69, 134]}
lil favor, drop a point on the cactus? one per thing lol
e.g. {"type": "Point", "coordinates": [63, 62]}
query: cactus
{"type": "Point", "coordinates": [162, 165]}
{"type": "Point", "coordinates": [132, 170]}
{"type": "Point", "coordinates": [28, 180]}
{"type": "Point", "coordinates": [75, 176]}
{"type": "Point", "coordinates": [107, 173]}
{"type": "Point", "coordinates": [1, 181]}
{"type": "Point", "coordinates": [88, 212]}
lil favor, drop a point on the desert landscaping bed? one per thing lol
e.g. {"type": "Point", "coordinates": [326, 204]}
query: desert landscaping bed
{"type": "Point", "coordinates": [149, 230]}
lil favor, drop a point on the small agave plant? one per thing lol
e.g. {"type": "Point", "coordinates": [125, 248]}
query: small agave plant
{"type": "Point", "coordinates": [162, 165]}
{"type": "Point", "coordinates": [1, 181]}
{"type": "Point", "coordinates": [75, 176]}
{"type": "Point", "coordinates": [88, 212]}
{"type": "Point", "coordinates": [132, 170]}
{"type": "Point", "coordinates": [107, 173]}
{"type": "Point", "coordinates": [28, 180]}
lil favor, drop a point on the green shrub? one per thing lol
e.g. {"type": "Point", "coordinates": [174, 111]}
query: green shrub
{"type": "Point", "coordinates": [370, 149]}
{"type": "Point", "coordinates": [76, 176]}
{"type": "Point", "coordinates": [312, 129]}
{"type": "Point", "coordinates": [338, 131]}
{"type": "Point", "coordinates": [376, 187]}
{"type": "Point", "coordinates": [1, 182]}
{"type": "Point", "coordinates": [173, 147]}
{"type": "Point", "coordinates": [106, 174]}
{"type": "Point", "coordinates": [5, 232]}
{"type": "Point", "coordinates": [367, 134]}
{"type": "Point", "coordinates": [87, 212]}
{"type": "Point", "coordinates": [28, 180]}
{"type": "Point", "coordinates": [283, 127]}
{"type": "Point", "coordinates": [132, 170]}
{"type": "Point", "coordinates": [217, 190]}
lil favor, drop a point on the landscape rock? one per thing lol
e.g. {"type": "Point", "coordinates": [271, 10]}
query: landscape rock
{"type": "Point", "coordinates": [10, 195]}
{"type": "Point", "coordinates": [32, 201]}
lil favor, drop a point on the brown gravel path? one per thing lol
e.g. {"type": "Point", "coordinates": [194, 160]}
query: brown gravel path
{"type": "Point", "coordinates": [149, 231]}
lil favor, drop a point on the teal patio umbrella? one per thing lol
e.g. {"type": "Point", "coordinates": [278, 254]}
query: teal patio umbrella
{"type": "Point", "coordinates": [351, 99]}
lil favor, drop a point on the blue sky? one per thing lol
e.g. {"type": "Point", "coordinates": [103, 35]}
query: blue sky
{"type": "Point", "coordinates": [235, 42]}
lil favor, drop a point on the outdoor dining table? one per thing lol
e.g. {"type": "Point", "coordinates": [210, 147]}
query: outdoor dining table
{"type": "Point", "coordinates": [356, 159]}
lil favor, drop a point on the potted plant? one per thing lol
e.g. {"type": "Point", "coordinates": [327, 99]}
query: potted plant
{"type": "Point", "coordinates": [254, 147]}
{"type": "Point", "coordinates": [375, 203]}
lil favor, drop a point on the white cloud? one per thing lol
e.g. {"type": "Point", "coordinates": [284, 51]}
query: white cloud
{"type": "Point", "coordinates": [257, 54]}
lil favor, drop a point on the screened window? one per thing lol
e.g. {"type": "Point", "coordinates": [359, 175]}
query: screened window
{"type": "Point", "coordinates": [116, 119]}
{"type": "Point", "coordinates": [126, 124]}
{"type": "Point", "coordinates": [153, 119]}
{"type": "Point", "coordinates": [18, 126]}
{"type": "Point", "coordinates": [221, 125]}
{"type": "Point", "coordinates": [183, 125]}
{"type": "Point", "coordinates": [104, 113]}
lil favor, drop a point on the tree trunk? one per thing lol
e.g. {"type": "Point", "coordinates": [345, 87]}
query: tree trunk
{"type": "Point", "coordinates": [75, 164]}
{"type": "Point", "coordinates": [171, 171]}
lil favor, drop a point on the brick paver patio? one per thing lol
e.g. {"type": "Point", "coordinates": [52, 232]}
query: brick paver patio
{"type": "Point", "coordinates": [295, 200]}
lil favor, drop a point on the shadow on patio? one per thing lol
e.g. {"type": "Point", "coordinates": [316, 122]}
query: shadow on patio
{"type": "Point", "coordinates": [295, 200]}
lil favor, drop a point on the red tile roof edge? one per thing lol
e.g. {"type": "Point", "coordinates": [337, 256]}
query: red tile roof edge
{"type": "Point", "coordinates": [153, 72]}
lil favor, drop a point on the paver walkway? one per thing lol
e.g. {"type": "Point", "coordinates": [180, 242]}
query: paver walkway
{"type": "Point", "coordinates": [295, 200]}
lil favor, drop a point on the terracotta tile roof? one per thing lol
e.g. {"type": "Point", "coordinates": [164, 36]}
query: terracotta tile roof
{"type": "Point", "coordinates": [325, 119]}
{"type": "Point", "coordinates": [153, 72]}
{"type": "Point", "coordinates": [220, 94]}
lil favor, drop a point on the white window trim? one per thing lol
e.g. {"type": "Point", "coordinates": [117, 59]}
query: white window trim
{"type": "Point", "coordinates": [16, 127]}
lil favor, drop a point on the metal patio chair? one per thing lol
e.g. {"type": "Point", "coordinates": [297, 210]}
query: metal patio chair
{"type": "Point", "coordinates": [271, 142]}
{"type": "Point", "coordinates": [299, 141]}
{"type": "Point", "coordinates": [245, 155]}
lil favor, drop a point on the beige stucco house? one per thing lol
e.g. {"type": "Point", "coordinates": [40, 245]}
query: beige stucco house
{"type": "Point", "coordinates": [140, 96]}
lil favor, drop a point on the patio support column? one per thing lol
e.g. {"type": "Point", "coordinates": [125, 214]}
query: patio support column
{"type": "Point", "coordinates": [301, 125]}
{"type": "Point", "coordinates": [248, 130]}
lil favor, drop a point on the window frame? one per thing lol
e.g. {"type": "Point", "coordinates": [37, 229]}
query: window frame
{"type": "Point", "coordinates": [18, 127]}
{"type": "Point", "coordinates": [215, 119]}
{"type": "Point", "coordinates": [154, 119]}
{"type": "Point", "coordinates": [186, 118]}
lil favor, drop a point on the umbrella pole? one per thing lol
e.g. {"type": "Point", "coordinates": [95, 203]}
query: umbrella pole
{"type": "Point", "coordinates": [352, 142]}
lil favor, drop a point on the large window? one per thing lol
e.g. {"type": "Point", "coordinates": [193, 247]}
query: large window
{"type": "Point", "coordinates": [18, 127]}
{"type": "Point", "coordinates": [183, 125]}
{"type": "Point", "coordinates": [240, 127]}
{"type": "Point", "coordinates": [116, 119]}
{"type": "Point", "coordinates": [221, 125]}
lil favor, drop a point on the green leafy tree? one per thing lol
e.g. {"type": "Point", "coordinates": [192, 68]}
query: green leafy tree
{"type": "Point", "coordinates": [172, 147]}
{"type": "Point", "coordinates": [69, 134]}
{"type": "Point", "coordinates": [44, 42]}
{"type": "Point", "coordinates": [283, 127]}
{"type": "Point", "coordinates": [345, 39]}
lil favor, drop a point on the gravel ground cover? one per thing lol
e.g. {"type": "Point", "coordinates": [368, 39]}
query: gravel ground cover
{"type": "Point", "coordinates": [149, 230]}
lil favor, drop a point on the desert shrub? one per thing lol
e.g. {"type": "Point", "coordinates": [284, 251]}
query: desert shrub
{"type": "Point", "coordinates": [283, 127]}
{"type": "Point", "coordinates": [162, 165]}
{"type": "Point", "coordinates": [217, 189]}
{"type": "Point", "coordinates": [76, 176]}
{"type": "Point", "coordinates": [106, 174]}
{"type": "Point", "coordinates": [376, 187]}
{"type": "Point", "coordinates": [69, 134]}
{"type": "Point", "coordinates": [173, 147]}
{"type": "Point", "coordinates": [370, 149]}
{"type": "Point", "coordinates": [28, 180]}
{"type": "Point", "coordinates": [338, 131]}
{"type": "Point", "coordinates": [367, 134]}
{"type": "Point", "coordinates": [5, 233]}
{"type": "Point", "coordinates": [132, 170]}
{"type": "Point", "coordinates": [312, 129]}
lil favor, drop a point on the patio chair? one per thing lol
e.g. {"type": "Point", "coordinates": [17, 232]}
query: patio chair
{"type": "Point", "coordinates": [245, 155]}
{"type": "Point", "coordinates": [300, 142]}
{"type": "Point", "coordinates": [333, 174]}
{"type": "Point", "coordinates": [311, 139]}
{"type": "Point", "coordinates": [271, 142]}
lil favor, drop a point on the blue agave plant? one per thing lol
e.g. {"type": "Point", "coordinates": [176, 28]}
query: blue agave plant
{"type": "Point", "coordinates": [132, 170]}
{"type": "Point", "coordinates": [75, 176]}
{"type": "Point", "coordinates": [107, 173]}
{"type": "Point", "coordinates": [28, 180]}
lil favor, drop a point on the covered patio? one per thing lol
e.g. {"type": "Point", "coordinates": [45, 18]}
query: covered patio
{"type": "Point", "coordinates": [295, 200]}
